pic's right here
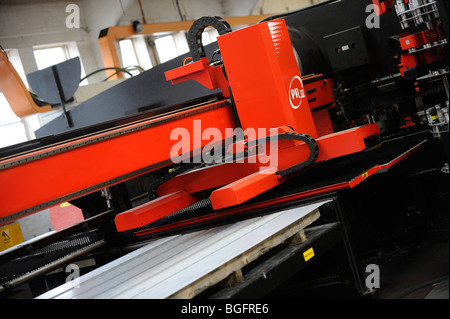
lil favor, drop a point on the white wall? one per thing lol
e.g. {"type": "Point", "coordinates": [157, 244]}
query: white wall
{"type": "Point", "coordinates": [98, 15]}
{"type": "Point", "coordinates": [26, 24]}
{"type": "Point", "coordinates": [281, 6]}
{"type": "Point", "coordinates": [173, 10]}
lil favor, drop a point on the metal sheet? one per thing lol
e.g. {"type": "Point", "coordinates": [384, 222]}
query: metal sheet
{"type": "Point", "coordinates": [165, 266]}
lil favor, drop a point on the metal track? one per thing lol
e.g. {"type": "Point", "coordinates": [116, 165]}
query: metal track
{"type": "Point", "coordinates": [153, 187]}
{"type": "Point", "coordinates": [190, 211]}
{"type": "Point", "coordinates": [36, 259]}
{"type": "Point", "coordinates": [50, 266]}
{"type": "Point", "coordinates": [98, 136]}
{"type": "Point", "coordinates": [307, 139]}
{"type": "Point", "coordinates": [187, 212]}
{"type": "Point", "coordinates": [102, 136]}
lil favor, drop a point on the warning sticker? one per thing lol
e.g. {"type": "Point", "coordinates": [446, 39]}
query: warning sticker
{"type": "Point", "coordinates": [5, 236]}
{"type": "Point", "coordinates": [308, 254]}
{"type": "Point", "coordinates": [10, 235]}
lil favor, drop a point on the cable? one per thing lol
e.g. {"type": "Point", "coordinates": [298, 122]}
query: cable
{"type": "Point", "coordinates": [135, 67]}
{"type": "Point", "coordinates": [105, 69]}
{"type": "Point", "coordinates": [115, 74]}
{"type": "Point", "coordinates": [187, 58]}
{"type": "Point", "coordinates": [211, 60]}
{"type": "Point", "coordinates": [126, 70]}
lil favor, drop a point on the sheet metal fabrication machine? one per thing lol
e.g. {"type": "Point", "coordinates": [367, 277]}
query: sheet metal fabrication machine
{"type": "Point", "coordinates": [269, 116]}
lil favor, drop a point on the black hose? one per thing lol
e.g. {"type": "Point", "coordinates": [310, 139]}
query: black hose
{"type": "Point", "coordinates": [105, 69]}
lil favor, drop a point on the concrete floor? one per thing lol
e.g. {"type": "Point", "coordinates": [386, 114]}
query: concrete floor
{"type": "Point", "coordinates": [418, 273]}
{"type": "Point", "coordinates": [414, 268]}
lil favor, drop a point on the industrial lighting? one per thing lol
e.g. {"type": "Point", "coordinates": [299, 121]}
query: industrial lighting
{"type": "Point", "coordinates": [137, 26]}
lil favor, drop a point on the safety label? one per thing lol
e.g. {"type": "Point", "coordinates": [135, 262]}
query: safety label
{"type": "Point", "coordinates": [308, 254]}
{"type": "Point", "coordinates": [11, 235]}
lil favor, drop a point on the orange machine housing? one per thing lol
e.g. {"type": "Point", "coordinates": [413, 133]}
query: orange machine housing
{"type": "Point", "coordinates": [268, 93]}
{"type": "Point", "coordinates": [264, 78]}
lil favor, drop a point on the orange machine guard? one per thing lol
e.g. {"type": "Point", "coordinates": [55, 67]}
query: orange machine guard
{"type": "Point", "coordinates": [16, 93]}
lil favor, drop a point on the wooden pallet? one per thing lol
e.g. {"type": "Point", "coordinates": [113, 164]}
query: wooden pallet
{"type": "Point", "coordinates": [183, 266]}
{"type": "Point", "coordinates": [230, 273]}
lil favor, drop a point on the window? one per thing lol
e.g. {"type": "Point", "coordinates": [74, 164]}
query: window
{"type": "Point", "coordinates": [209, 36]}
{"type": "Point", "coordinates": [167, 50]}
{"type": "Point", "coordinates": [129, 57]}
{"type": "Point", "coordinates": [48, 55]}
{"type": "Point", "coordinates": [142, 52]}
{"type": "Point", "coordinates": [14, 58]}
{"type": "Point", "coordinates": [171, 46]}
{"type": "Point", "coordinates": [12, 130]}
{"type": "Point", "coordinates": [135, 57]}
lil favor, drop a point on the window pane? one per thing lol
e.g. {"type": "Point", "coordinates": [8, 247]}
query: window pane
{"type": "Point", "coordinates": [12, 134]}
{"type": "Point", "coordinates": [128, 56]}
{"type": "Point", "coordinates": [181, 42]}
{"type": "Point", "coordinates": [140, 47]}
{"type": "Point", "coordinates": [166, 48]}
{"type": "Point", "coordinates": [49, 56]}
{"type": "Point", "coordinates": [7, 115]}
{"type": "Point", "coordinates": [209, 36]}
{"type": "Point", "coordinates": [14, 58]}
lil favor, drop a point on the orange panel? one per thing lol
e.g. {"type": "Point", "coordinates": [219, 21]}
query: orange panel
{"type": "Point", "coordinates": [57, 174]}
{"type": "Point", "coordinates": [214, 176]}
{"type": "Point", "coordinates": [245, 180]}
{"type": "Point", "coordinates": [159, 208]}
{"type": "Point", "coordinates": [200, 71]}
{"type": "Point", "coordinates": [65, 215]}
{"type": "Point", "coordinates": [265, 79]}
{"type": "Point", "coordinates": [245, 188]}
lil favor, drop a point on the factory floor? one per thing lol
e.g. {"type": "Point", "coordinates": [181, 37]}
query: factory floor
{"type": "Point", "coordinates": [415, 267]}
{"type": "Point", "coordinates": [417, 272]}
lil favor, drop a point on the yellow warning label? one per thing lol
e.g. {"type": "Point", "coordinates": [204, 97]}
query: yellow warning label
{"type": "Point", "coordinates": [431, 35]}
{"type": "Point", "coordinates": [365, 175]}
{"type": "Point", "coordinates": [10, 235]}
{"type": "Point", "coordinates": [65, 204]}
{"type": "Point", "coordinates": [308, 254]}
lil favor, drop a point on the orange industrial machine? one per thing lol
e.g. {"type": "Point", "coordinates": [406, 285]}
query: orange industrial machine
{"type": "Point", "coordinates": [268, 118]}
{"type": "Point", "coordinates": [266, 96]}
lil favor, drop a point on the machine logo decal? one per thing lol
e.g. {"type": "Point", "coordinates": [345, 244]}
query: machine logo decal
{"type": "Point", "coordinates": [296, 92]}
